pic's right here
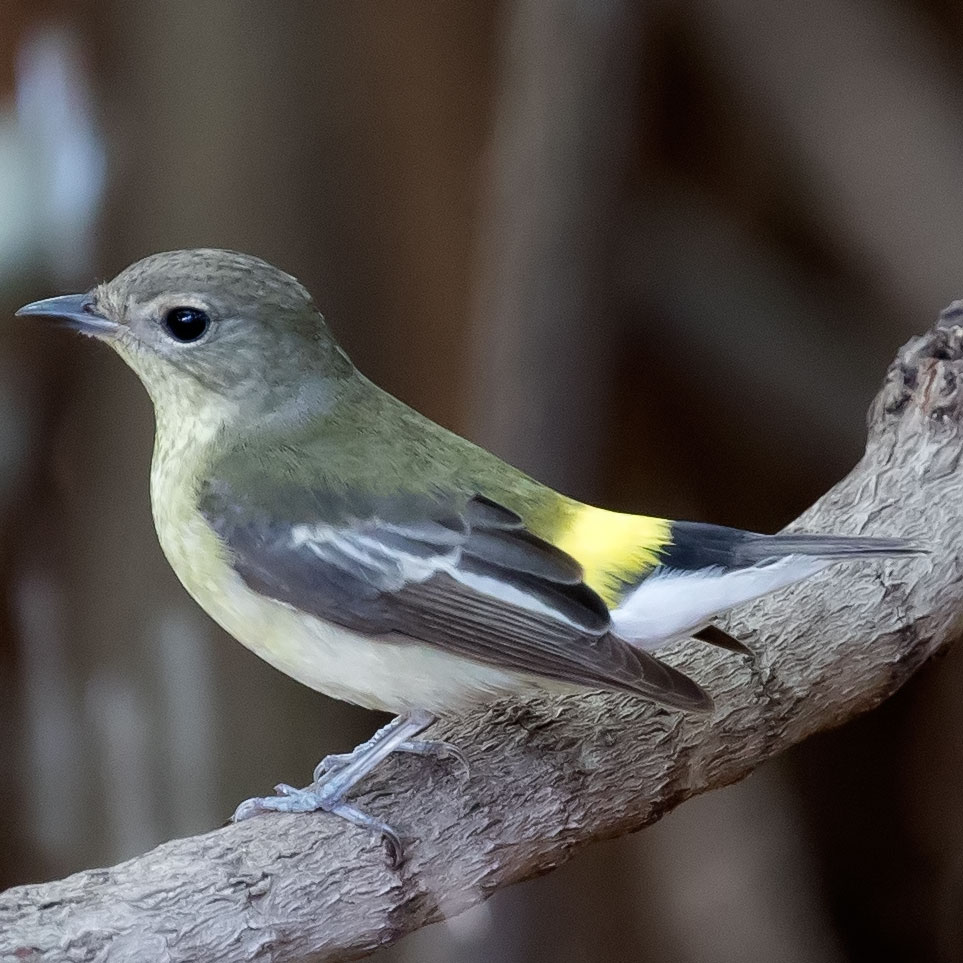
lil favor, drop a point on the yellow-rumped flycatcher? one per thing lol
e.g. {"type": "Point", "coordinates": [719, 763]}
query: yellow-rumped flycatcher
{"type": "Point", "coordinates": [374, 556]}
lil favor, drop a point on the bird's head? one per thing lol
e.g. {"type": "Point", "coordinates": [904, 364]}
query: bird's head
{"type": "Point", "coordinates": [206, 325]}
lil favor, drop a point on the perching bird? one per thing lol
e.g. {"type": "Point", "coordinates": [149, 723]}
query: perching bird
{"type": "Point", "coordinates": [376, 557]}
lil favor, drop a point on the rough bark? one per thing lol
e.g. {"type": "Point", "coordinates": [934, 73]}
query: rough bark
{"type": "Point", "coordinates": [551, 776]}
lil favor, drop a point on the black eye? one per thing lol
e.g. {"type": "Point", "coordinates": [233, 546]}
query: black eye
{"type": "Point", "coordinates": [186, 324]}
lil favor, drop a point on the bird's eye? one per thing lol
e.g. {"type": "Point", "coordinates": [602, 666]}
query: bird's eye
{"type": "Point", "coordinates": [186, 324]}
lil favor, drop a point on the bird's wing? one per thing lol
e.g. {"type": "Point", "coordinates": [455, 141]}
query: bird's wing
{"type": "Point", "coordinates": [459, 572]}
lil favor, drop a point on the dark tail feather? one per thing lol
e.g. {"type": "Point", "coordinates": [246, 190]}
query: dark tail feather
{"type": "Point", "coordinates": [759, 548]}
{"type": "Point", "coordinates": [696, 545]}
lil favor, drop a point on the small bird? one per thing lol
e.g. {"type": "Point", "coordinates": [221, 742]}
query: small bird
{"type": "Point", "coordinates": [377, 557]}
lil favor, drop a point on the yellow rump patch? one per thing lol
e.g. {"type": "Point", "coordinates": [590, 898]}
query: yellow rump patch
{"type": "Point", "coordinates": [613, 548]}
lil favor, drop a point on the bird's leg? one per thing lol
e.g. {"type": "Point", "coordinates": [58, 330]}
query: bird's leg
{"type": "Point", "coordinates": [328, 793]}
{"type": "Point", "coordinates": [341, 759]}
{"type": "Point", "coordinates": [434, 748]}
{"type": "Point", "coordinates": [369, 754]}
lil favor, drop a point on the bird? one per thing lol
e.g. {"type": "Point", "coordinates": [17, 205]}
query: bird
{"type": "Point", "coordinates": [377, 557]}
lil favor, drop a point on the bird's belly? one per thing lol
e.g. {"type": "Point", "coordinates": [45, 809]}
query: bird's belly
{"type": "Point", "coordinates": [391, 673]}
{"type": "Point", "coordinates": [380, 672]}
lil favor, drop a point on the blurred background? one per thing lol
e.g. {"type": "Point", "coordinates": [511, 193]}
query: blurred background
{"type": "Point", "coordinates": [657, 253]}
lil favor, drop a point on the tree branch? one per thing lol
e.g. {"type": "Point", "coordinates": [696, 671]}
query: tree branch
{"type": "Point", "coordinates": [551, 776]}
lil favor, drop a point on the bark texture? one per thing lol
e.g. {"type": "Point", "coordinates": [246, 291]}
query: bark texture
{"type": "Point", "coordinates": [553, 775]}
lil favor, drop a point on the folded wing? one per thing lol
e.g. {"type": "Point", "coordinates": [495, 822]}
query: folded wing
{"type": "Point", "coordinates": [458, 572]}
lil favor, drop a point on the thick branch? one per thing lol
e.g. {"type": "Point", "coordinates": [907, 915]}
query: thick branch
{"type": "Point", "coordinates": [551, 776]}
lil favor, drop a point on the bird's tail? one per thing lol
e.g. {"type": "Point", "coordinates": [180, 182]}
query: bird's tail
{"type": "Point", "coordinates": [708, 569]}
{"type": "Point", "coordinates": [695, 546]}
{"type": "Point", "coordinates": [762, 548]}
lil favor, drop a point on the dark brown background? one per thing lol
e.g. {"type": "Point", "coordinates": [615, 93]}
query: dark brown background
{"type": "Point", "coordinates": [658, 254]}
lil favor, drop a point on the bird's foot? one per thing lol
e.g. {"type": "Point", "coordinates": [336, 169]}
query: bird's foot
{"type": "Point", "coordinates": [331, 786]}
{"type": "Point", "coordinates": [287, 800]}
{"type": "Point", "coordinates": [435, 749]}
{"type": "Point", "coordinates": [292, 800]}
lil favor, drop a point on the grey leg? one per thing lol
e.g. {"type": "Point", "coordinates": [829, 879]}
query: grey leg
{"type": "Point", "coordinates": [434, 748]}
{"type": "Point", "coordinates": [328, 793]}
{"type": "Point", "coordinates": [333, 786]}
{"type": "Point", "coordinates": [341, 759]}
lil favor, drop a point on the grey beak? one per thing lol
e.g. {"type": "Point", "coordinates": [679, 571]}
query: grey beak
{"type": "Point", "coordinates": [74, 310]}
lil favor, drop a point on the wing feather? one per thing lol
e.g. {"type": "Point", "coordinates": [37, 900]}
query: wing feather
{"type": "Point", "coordinates": [461, 574]}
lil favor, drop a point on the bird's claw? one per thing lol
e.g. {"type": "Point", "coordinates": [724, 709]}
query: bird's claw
{"type": "Point", "coordinates": [247, 809]}
{"type": "Point", "coordinates": [331, 763]}
{"type": "Point", "coordinates": [440, 751]}
{"type": "Point", "coordinates": [288, 800]}
{"type": "Point", "coordinates": [292, 800]}
{"type": "Point", "coordinates": [394, 849]}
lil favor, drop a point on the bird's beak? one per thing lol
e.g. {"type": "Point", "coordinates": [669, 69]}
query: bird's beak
{"type": "Point", "coordinates": [75, 311]}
